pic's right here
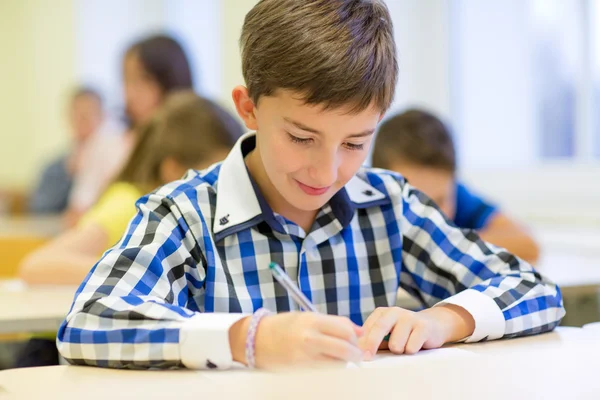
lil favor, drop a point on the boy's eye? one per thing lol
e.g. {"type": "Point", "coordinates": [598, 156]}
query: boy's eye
{"type": "Point", "coordinates": [354, 146]}
{"type": "Point", "coordinates": [298, 140]}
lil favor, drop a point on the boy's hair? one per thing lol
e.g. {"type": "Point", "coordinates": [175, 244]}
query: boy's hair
{"type": "Point", "coordinates": [333, 53]}
{"type": "Point", "coordinates": [187, 128]}
{"type": "Point", "coordinates": [414, 137]}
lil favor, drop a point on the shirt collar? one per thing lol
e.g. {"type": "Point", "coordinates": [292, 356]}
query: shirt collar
{"type": "Point", "coordinates": [241, 205]}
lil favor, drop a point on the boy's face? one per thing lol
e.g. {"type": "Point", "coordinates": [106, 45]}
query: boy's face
{"type": "Point", "coordinates": [436, 183]}
{"type": "Point", "coordinates": [309, 153]}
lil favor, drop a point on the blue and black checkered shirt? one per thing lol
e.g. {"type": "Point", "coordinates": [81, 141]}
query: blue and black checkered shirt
{"type": "Point", "coordinates": [202, 246]}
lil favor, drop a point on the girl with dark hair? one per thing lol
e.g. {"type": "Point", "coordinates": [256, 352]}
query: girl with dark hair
{"type": "Point", "coordinates": [152, 68]}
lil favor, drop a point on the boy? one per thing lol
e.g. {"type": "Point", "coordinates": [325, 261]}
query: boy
{"type": "Point", "coordinates": [419, 146]}
{"type": "Point", "coordinates": [187, 284]}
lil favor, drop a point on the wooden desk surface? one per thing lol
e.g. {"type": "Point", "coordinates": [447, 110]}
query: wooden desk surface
{"type": "Point", "coordinates": [21, 235]}
{"type": "Point", "coordinates": [31, 226]}
{"type": "Point", "coordinates": [502, 371]}
{"type": "Point", "coordinates": [29, 310]}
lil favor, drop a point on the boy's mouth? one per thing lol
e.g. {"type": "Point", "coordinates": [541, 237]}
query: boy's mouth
{"type": "Point", "coordinates": [312, 191]}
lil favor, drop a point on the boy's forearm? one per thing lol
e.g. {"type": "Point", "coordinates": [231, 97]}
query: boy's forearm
{"type": "Point", "coordinates": [458, 321]}
{"type": "Point", "coordinates": [237, 339]}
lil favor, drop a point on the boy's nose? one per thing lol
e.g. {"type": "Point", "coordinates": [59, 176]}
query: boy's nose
{"type": "Point", "coordinates": [325, 170]}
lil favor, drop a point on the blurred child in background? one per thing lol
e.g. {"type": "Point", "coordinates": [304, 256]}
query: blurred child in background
{"type": "Point", "coordinates": [188, 132]}
{"type": "Point", "coordinates": [51, 194]}
{"type": "Point", "coordinates": [419, 146]}
{"type": "Point", "coordinates": [152, 68]}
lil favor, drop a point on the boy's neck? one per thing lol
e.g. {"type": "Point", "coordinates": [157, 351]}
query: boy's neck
{"type": "Point", "coordinates": [278, 204]}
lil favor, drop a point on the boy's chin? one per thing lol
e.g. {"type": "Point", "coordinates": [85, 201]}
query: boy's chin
{"type": "Point", "coordinates": [305, 202]}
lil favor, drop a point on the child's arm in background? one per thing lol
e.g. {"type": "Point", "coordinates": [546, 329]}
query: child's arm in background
{"type": "Point", "coordinates": [503, 232]}
{"type": "Point", "coordinates": [66, 259]}
{"type": "Point", "coordinates": [493, 225]}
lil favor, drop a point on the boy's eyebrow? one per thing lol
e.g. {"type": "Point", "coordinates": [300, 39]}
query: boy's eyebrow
{"type": "Point", "coordinates": [303, 127]}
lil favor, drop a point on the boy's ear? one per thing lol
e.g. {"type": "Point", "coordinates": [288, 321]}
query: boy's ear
{"type": "Point", "coordinates": [245, 107]}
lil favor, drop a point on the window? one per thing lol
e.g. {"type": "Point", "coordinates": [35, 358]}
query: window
{"type": "Point", "coordinates": [525, 81]}
{"type": "Point", "coordinates": [595, 46]}
{"type": "Point", "coordinates": [558, 61]}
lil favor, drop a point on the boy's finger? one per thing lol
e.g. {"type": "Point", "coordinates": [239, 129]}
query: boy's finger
{"type": "Point", "coordinates": [371, 319]}
{"type": "Point", "coordinates": [358, 331]}
{"type": "Point", "coordinates": [381, 327]}
{"type": "Point", "coordinates": [415, 342]}
{"type": "Point", "coordinates": [339, 327]}
{"type": "Point", "coordinates": [339, 349]}
{"type": "Point", "coordinates": [399, 336]}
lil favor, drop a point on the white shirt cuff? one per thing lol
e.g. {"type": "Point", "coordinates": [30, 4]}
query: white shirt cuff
{"type": "Point", "coordinates": [488, 317]}
{"type": "Point", "coordinates": [204, 341]}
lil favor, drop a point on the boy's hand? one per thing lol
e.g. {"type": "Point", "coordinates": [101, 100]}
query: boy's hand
{"type": "Point", "coordinates": [296, 338]}
{"type": "Point", "coordinates": [413, 331]}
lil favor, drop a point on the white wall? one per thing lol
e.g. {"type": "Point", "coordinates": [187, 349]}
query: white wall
{"type": "Point", "coordinates": [36, 71]}
{"type": "Point", "coordinates": [198, 24]}
{"type": "Point", "coordinates": [420, 31]}
{"type": "Point", "coordinates": [549, 194]}
{"type": "Point", "coordinates": [233, 13]}
{"type": "Point", "coordinates": [105, 28]}
{"type": "Point", "coordinates": [492, 83]}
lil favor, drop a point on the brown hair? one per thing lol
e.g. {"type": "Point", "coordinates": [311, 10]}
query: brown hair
{"type": "Point", "coordinates": [164, 59]}
{"type": "Point", "coordinates": [414, 137]}
{"type": "Point", "coordinates": [334, 53]}
{"type": "Point", "coordinates": [187, 128]}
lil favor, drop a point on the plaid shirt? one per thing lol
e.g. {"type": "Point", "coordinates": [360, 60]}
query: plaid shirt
{"type": "Point", "coordinates": [195, 259]}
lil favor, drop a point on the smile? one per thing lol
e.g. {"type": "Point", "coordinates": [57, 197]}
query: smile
{"type": "Point", "coordinates": [312, 191]}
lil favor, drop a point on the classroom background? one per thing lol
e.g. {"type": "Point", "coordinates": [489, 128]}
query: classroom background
{"type": "Point", "coordinates": [518, 81]}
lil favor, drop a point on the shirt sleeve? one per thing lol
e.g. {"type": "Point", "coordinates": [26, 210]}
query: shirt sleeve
{"type": "Point", "coordinates": [472, 211]}
{"type": "Point", "coordinates": [134, 309]}
{"type": "Point", "coordinates": [446, 264]}
{"type": "Point", "coordinates": [113, 211]}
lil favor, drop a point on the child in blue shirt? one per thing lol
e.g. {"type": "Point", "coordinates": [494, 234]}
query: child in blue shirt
{"type": "Point", "coordinates": [418, 145]}
{"type": "Point", "coordinates": [189, 282]}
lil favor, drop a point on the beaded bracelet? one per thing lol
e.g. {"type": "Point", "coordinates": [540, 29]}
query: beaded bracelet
{"type": "Point", "coordinates": [251, 336]}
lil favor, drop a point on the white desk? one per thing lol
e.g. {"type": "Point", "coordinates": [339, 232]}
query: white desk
{"type": "Point", "coordinates": [570, 256]}
{"type": "Point", "coordinates": [583, 240]}
{"type": "Point", "coordinates": [571, 271]}
{"type": "Point", "coordinates": [36, 309]}
{"type": "Point", "coordinates": [562, 364]}
{"type": "Point", "coordinates": [593, 327]}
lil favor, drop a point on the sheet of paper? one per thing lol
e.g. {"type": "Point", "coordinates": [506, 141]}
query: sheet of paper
{"type": "Point", "coordinates": [387, 359]}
